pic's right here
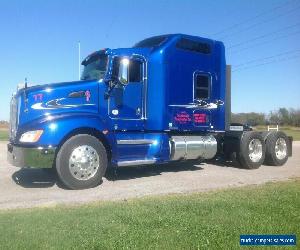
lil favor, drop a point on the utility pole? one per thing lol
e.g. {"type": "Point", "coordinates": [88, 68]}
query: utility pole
{"type": "Point", "coordinates": [79, 61]}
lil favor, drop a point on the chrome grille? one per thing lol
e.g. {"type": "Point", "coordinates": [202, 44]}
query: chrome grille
{"type": "Point", "coordinates": [13, 117]}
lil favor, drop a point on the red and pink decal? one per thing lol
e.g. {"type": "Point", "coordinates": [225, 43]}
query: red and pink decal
{"type": "Point", "coordinates": [87, 95]}
{"type": "Point", "coordinates": [182, 117]}
{"type": "Point", "coordinates": [38, 97]}
{"type": "Point", "coordinates": [199, 118]}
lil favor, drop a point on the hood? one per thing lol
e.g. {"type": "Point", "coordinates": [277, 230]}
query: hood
{"type": "Point", "coordinates": [51, 99]}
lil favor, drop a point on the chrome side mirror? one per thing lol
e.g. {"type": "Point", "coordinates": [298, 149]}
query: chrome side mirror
{"type": "Point", "coordinates": [123, 72]}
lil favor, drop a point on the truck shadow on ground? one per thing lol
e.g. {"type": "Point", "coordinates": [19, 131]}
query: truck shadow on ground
{"type": "Point", "coordinates": [127, 173]}
{"type": "Point", "coordinates": [45, 178]}
{"type": "Point", "coordinates": [221, 162]}
{"type": "Point", "coordinates": [35, 178]}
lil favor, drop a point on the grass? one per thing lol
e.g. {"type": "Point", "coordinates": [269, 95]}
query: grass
{"type": "Point", "coordinates": [294, 133]}
{"type": "Point", "coordinates": [3, 135]}
{"type": "Point", "coordinates": [290, 131]}
{"type": "Point", "coordinates": [212, 220]}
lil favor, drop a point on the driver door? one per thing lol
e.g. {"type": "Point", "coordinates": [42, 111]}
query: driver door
{"type": "Point", "coordinates": [125, 106]}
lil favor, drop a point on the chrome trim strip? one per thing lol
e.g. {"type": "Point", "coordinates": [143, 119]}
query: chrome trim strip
{"type": "Point", "coordinates": [135, 142]}
{"type": "Point", "coordinates": [135, 163]}
{"type": "Point", "coordinates": [196, 106]}
{"type": "Point", "coordinates": [13, 118]}
{"type": "Point", "coordinates": [55, 104]}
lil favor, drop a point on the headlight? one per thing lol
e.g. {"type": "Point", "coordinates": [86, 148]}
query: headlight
{"type": "Point", "coordinates": [31, 136]}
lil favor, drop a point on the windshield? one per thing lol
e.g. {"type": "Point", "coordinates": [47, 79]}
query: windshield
{"type": "Point", "coordinates": [94, 67]}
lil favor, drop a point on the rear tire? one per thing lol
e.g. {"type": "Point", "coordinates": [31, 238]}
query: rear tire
{"type": "Point", "coordinates": [277, 149]}
{"type": "Point", "coordinates": [251, 153]}
{"type": "Point", "coordinates": [81, 162]}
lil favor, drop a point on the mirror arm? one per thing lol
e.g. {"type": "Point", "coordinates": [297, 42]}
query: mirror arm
{"type": "Point", "coordinates": [114, 82]}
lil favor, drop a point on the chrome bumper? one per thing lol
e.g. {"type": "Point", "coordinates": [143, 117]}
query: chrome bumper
{"type": "Point", "coordinates": [30, 157]}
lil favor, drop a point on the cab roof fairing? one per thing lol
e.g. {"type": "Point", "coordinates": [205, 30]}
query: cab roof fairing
{"type": "Point", "coordinates": [171, 39]}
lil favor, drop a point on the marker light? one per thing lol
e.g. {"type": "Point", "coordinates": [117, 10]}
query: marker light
{"type": "Point", "coordinates": [31, 136]}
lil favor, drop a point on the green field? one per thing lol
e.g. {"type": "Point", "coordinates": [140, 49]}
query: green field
{"type": "Point", "coordinates": [290, 131]}
{"type": "Point", "coordinates": [3, 135]}
{"type": "Point", "coordinates": [294, 133]}
{"type": "Point", "coordinates": [212, 220]}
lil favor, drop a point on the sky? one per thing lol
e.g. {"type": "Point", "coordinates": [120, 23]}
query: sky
{"type": "Point", "coordinates": [39, 40]}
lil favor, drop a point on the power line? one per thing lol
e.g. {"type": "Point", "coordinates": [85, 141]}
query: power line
{"type": "Point", "coordinates": [266, 58]}
{"type": "Point", "coordinates": [271, 62]}
{"type": "Point", "coordinates": [262, 22]}
{"type": "Point", "coordinates": [263, 36]}
{"type": "Point", "coordinates": [265, 42]}
{"type": "Point", "coordinates": [255, 17]}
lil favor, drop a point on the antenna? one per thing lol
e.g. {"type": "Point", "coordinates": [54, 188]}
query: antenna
{"type": "Point", "coordinates": [79, 61]}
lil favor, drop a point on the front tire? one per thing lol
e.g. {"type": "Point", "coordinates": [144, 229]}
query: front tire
{"type": "Point", "coordinates": [81, 162]}
{"type": "Point", "coordinates": [251, 151]}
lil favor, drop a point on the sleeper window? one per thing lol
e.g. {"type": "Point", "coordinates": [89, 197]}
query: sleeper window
{"type": "Point", "coordinates": [190, 45]}
{"type": "Point", "coordinates": [202, 86]}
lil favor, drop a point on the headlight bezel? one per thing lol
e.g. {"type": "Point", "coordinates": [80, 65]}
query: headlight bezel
{"type": "Point", "coordinates": [31, 136]}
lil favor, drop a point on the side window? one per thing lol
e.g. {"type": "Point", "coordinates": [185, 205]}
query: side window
{"type": "Point", "coordinates": [187, 44]}
{"type": "Point", "coordinates": [128, 70]}
{"type": "Point", "coordinates": [202, 86]}
{"type": "Point", "coordinates": [135, 71]}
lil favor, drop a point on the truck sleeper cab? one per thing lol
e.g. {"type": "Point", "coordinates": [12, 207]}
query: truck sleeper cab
{"type": "Point", "coordinates": [165, 99]}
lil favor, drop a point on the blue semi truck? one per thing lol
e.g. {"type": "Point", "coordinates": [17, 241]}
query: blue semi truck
{"type": "Point", "coordinates": [165, 99]}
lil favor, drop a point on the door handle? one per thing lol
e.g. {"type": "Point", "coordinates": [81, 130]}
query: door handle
{"type": "Point", "coordinates": [138, 111]}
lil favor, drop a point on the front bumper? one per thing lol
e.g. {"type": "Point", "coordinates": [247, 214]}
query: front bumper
{"type": "Point", "coordinates": [30, 157]}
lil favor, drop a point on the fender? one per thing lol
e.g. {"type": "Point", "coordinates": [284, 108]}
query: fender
{"type": "Point", "coordinates": [57, 128]}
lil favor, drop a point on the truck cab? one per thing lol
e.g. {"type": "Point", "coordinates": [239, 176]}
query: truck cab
{"type": "Point", "coordinates": [165, 99]}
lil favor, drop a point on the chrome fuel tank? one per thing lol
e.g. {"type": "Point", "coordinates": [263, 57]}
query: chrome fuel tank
{"type": "Point", "coordinates": [193, 147]}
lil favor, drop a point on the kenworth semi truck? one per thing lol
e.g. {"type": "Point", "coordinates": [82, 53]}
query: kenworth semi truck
{"type": "Point", "coordinates": [165, 99]}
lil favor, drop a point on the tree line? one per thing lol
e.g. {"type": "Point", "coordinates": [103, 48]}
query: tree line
{"type": "Point", "coordinates": [282, 116]}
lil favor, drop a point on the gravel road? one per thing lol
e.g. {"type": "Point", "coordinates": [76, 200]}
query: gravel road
{"type": "Point", "coordinates": [22, 188]}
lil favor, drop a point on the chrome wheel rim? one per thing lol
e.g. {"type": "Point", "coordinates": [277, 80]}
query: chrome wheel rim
{"type": "Point", "coordinates": [84, 162]}
{"type": "Point", "coordinates": [280, 148]}
{"type": "Point", "coordinates": [255, 150]}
